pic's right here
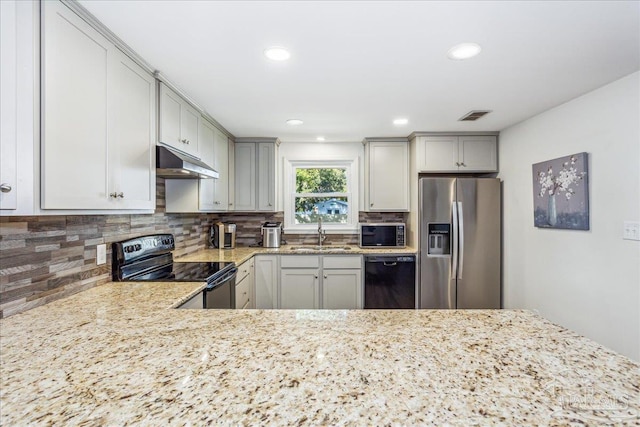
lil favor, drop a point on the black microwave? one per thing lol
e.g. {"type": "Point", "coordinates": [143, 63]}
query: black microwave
{"type": "Point", "coordinates": [383, 235]}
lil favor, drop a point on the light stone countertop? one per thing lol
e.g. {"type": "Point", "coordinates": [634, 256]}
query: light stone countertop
{"type": "Point", "coordinates": [117, 354]}
{"type": "Point", "coordinates": [242, 254]}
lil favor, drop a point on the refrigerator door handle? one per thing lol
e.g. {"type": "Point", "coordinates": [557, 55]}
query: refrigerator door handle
{"type": "Point", "coordinates": [461, 240]}
{"type": "Point", "coordinates": [454, 258]}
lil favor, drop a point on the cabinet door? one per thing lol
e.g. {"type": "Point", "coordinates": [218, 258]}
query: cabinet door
{"type": "Point", "coordinates": [478, 154]}
{"type": "Point", "coordinates": [221, 164]}
{"type": "Point", "coordinates": [245, 176]}
{"type": "Point", "coordinates": [266, 176]}
{"type": "Point", "coordinates": [231, 174]}
{"type": "Point", "coordinates": [170, 118]}
{"type": "Point", "coordinates": [243, 292]}
{"type": "Point", "coordinates": [74, 112]}
{"type": "Point", "coordinates": [437, 153]}
{"type": "Point", "coordinates": [342, 289]}
{"type": "Point", "coordinates": [189, 124]}
{"type": "Point", "coordinates": [132, 130]}
{"type": "Point", "coordinates": [8, 113]}
{"type": "Point", "coordinates": [207, 187]}
{"type": "Point", "coordinates": [251, 278]}
{"type": "Point", "coordinates": [299, 288]}
{"type": "Point", "coordinates": [266, 281]}
{"type": "Point", "coordinates": [195, 302]}
{"type": "Point", "coordinates": [388, 176]}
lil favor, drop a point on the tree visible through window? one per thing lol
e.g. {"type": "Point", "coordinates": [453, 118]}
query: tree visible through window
{"type": "Point", "coordinates": [321, 193]}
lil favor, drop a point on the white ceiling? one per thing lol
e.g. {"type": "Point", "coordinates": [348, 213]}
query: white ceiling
{"type": "Point", "coordinates": [357, 65]}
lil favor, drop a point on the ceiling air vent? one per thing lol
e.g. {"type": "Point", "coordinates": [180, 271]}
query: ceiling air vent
{"type": "Point", "coordinates": [473, 115]}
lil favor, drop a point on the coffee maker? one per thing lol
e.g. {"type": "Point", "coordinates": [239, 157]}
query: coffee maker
{"type": "Point", "coordinates": [223, 236]}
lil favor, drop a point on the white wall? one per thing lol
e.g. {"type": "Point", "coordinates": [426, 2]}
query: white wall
{"type": "Point", "coordinates": [587, 281]}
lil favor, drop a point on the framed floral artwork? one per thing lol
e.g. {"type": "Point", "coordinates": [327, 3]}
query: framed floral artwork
{"type": "Point", "coordinates": [561, 193]}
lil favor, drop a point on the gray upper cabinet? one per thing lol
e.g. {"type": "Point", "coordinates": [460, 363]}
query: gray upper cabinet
{"type": "Point", "coordinates": [386, 175]}
{"type": "Point", "coordinates": [245, 176]}
{"type": "Point", "coordinates": [266, 162]}
{"type": "Point", "coordinates": [8, 112]}
{"type": "Point", "coordinates": [255, 174]}
{"type": "Point", "coordinates": [97, 106]}
{"type": "Point", "coordinates": [460, 154]}
{"type": "Point", "coordinates": [179, 122]}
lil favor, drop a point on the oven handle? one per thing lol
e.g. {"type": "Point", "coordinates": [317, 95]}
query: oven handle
{"type": "Point", "coordinates": [221, 280]}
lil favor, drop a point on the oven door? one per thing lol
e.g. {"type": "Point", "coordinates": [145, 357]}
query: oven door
{"type": "Point", "coordinates": [220, 293]}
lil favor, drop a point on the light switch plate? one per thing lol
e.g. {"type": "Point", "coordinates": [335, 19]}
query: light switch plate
{"type": "Point", "coordinates": [631, 230]}
{"type": "Point", "coordinates": [101, 254]}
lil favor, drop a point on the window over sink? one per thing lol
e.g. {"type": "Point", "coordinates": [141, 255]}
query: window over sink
{"type": "Point", "coordinates": [320, 190]}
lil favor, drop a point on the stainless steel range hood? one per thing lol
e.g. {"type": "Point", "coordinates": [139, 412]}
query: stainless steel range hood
{"type": "Point", "coordinates": [174, 164]}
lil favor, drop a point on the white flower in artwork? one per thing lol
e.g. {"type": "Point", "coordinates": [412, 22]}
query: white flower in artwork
{"type": "Point", "coordinates": [553, 184]}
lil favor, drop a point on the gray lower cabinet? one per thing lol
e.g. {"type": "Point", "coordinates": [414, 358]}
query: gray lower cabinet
{"type": "Point", "coordinates": [195, 302]}
{"type": "Point", "coordinates": [314, 281]}
{"type": "Point", "coordinates": [245, 284]}
{"type": "Point", "coordinates": [266, 281]}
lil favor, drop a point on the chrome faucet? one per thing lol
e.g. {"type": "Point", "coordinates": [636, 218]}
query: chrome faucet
{"type": "Point", "coordinates": [322, 234]}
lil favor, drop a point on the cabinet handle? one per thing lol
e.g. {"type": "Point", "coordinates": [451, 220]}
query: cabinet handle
{"type": "Point", "coordinates": [5, 188]}
{"type": "Point", "coordinates": [458, 164]}
{"type": "Point", "coordinates": [315, 277]}
{"type": "Point", "coordinates": [325, 276]}
{"type": "Point", "coordinates": [462, 164]}
{"type": "Point", "coordinates": [120, 195]}
{"type": "Point", "coordinates": [230, 204]}
{"type": "Point", "coordinates": [270, 204]}
{"type": "Point", "coordinates": [371, 204]}
{"type": "Point", "coordinates": [184, 141]}
{"type": "Point", "coordinates": [217, 203]}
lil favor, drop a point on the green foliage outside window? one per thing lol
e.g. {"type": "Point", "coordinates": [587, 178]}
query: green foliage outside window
{"type": "Point", "coordinates": [319, 187]}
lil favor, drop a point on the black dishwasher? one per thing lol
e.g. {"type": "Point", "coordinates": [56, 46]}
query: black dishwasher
{"type": "Point", "coordinates": [389, 281]}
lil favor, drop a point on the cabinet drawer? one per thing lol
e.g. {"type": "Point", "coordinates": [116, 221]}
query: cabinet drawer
{"type": "Point", "coordinates": [299, 261]}
{"type": "Point", "coordinates": [244, 269]}
{"type": "Point", "coordinates": [342, 261]}
{"type": "Point", "coordinates": [242, 293]}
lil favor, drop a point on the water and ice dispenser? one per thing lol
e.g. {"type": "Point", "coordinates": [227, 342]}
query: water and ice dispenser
{"type": "Point", "coordinates": [439, 239]}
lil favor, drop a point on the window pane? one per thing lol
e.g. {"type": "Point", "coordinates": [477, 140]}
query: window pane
{"type": "Point", "coordinates": [321, 180]}
{"type": "Point", "coordinates": [331, 209]}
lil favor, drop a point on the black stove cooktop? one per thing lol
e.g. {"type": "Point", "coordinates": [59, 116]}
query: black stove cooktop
{"type": "Point", "coordinates": [186, 272]}
{"type": "Point", "coordinates": [149, 258]}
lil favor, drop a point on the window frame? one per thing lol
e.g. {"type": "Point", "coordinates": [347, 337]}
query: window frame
{"type": "Point", "coordinates": [351, 169]}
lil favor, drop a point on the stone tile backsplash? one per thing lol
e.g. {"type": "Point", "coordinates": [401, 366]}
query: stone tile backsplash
{"type": "Point", "coordinates": [44, 258]}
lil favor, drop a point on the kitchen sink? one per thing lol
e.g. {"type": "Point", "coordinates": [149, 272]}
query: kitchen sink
{"type": "Point", "coordinates": [320, 248]}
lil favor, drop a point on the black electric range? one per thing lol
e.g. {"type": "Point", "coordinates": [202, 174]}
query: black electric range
{"type": "Point", "coordinates": [149, 258]}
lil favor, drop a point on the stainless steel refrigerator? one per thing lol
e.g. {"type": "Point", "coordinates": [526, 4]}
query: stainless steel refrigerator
{"type": "Point", "coordinates": [460, 243]}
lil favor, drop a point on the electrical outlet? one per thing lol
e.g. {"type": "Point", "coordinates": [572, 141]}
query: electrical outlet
{"type": "Point", "coordinates": [101, 254]}
{"type": "Point", "coordinates": [631, 230]}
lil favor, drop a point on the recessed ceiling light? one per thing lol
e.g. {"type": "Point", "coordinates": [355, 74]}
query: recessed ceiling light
{"type": "Point", "coordinates": [277, 53]}
{"type": "Point", "coordinates": [320, 139]}
{"type": "Point", "coordinates": [294, 122]}
{"type": "Point", "coordinates": [399, 122]}
{"type": "Point", "coordinates": [464, 51]}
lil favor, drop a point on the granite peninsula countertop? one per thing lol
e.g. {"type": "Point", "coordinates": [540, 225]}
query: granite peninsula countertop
{"type": "Point", "coordinates": [243, 253]}
{"type": "Point", "coordinates": [118, 354]}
